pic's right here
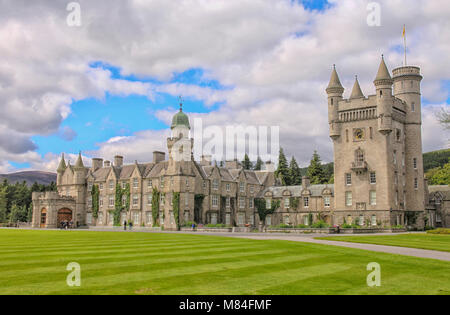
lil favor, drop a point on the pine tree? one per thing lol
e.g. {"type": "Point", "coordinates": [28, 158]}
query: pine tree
{"type": "Point", "coordinates": [282, 171]}
{"type": "Point", "coordinates": [14, 216]}
{"type": "Point", "coordinates": [258, 164]}
{"type": "Point", "coordinates": [315, 170]}
{"type": "Point", "coordinates": [295, 173]}
{"type": "Point", "coordinates": [246, 163]}
{"type": "Point", "coordinates": [3, 203]}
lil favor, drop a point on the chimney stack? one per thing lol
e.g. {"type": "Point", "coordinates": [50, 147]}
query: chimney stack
{"type": "Point", "coordinates": [270, 167]}
{"type": "Point", "coordinates": [118, 161]}
{"type": "Point", "coordinates": [97, 163]}
{"type": "Point", "coordinates": [107, 163]}
{"type": "Point", "coordinates": [306, 182]}
{"type": "Point", "coordinates": [159, 157]}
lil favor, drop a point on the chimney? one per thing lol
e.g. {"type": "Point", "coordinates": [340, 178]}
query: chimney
{"type": "Point", "coordinates": [158, 157]}
{"type": "Point", "coordinates": [206, 160]}
{"type": "Point", "coordinates": [96, 164]}
{"type": "Point", "coordinates": [270, 167]}
{"type": "Point", "coordinates": [118, 161]}
{"type": "Point", "coordinates": [107, 164]}
{"type": "Point", "coordinates": [232, 165]}
{"type": "Point", "coordinates": [305, 182]}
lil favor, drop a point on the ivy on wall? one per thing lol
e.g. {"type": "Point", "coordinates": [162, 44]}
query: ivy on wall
{"type": "Point", "coordinates": [294, 203]}
{"type": "Point", "coordinates": [176, 208]}
{"type": "Point", "coordinates": [155, 206]}
{"type": "Point", "coordinates": [118, 205]}
{"type": "Point", "coordinates": [95, 201]}
{"type": "Point", "coordinates": [261, 206]}
{"type": "Point", "coordinates": [127, 193]}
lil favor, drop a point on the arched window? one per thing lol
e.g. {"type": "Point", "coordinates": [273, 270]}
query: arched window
{"type": "Point", "coordinates": [381, 93]}
{"type": "Point", "coordinates": [359, 156]}
{"type": "Point", "coordinates": [332, 103]}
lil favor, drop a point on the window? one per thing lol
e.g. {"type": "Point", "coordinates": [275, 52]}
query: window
{"type": "Point", "coordinates": [241, 218]}
{"type": "Point", "coordinates": [89, 218]}
{"type": "Point", "coordinates": [228, 187]}
{"type": "Point", "coordinates": [135, 200]}
{"type": "Point", "coordinates": [204, 185]}
{"type": "Point", "coordinates": [403, 159]}
{"type": "Point", "coordinates": [228, 219]}
{"type": "Point", "coordinates": [214, 218]}
{"type": "Point", "coordinates": [215, 201]}
{"type": "Point", "coordinates": [326, 201]}
{"type": "Point", "coordinates": [361, 220]}
{"type": "Point", "coordinates": [148, 217]}
{"type": "Point", "coordinates": [373, 198]}
{"type": "Point", "coordinates": [415, 163]}
{"type": "Point", "coordinates": [163, 199]}
{"type": "Point", "coordinates": [124, 185]}
{"type": "Point", "coordinates": [100, 218]}
{"type": "Point", "coordinates": [101, 186]}
{"type": "Point", "coordinates": [187, 182]}
{"type": "Point", "coordinates": [228, 202]}
{"type": "Point", "coordinates": [162, 182]}
{"type": "Point", "coordinates": [305, 220]}
{"type": "Point", "coordinates": [359, 156]}
{"type": "Point", "coordinates": [161, 218]}
{"type": "Point", "coordinates": [111, 184]}
{"type": "Point", "coordinates": [250, 203]}
{"type": "Point", "coordinates": [413, 107]}
{"type": "Point", "coordinates": [348, 198]}
{"type": "Point", "coordinates": [186, 201]}
{"type": "Point", "coordinates": [186, 216]}
{"type": "Point", "coordinates": [348, 179]}
{"type": "Point", "coordinates": [346, 135]}
{"type": "Point", "coordinates": [252, 189]}
{"type": "Point", "coordinates": [306, 202]}
{"type": "Point", "coordinates": [135, 183]}
{"type": "Point", "coordinates": [111, 201]}
{"type": "Point", "coordinates": [149, 184]}
{"type": "Point", "coordinates": [398, 134]}
{"type": "Point", "coordinates": [395, 157]}
{"type": "Point", "coordinates": [149, 200]}
{"type": "Point", "coordinates": [136, 218]}
{"type": "Point", "coordinates": [269, 220]}
{"type": "Point", "coordinates": [373, 178]}
{"type": "Point", "coordinates": [396, 197]}
{"type": "Point", "coordinates": [286, 220]}
{"type": "Point", "coordinates": [396, 178]}
{"type": "Point", "coordinates": [416, 183]}
{"type": "Point", "coordinates": [371, 132]}
{"type": "Point", "coordinates": [268, 204]}
{"type": "Point", "coordinates": [215, 184]}
{"type": "Point", "coordinates": [90, 184]}
{"type": "Point", "coordinates": [286, 203]}
{"type": "Point", "coordinates": [89, 202]}
{"type": "Point", "coordinates": [374, 220]}
{"type": "Point", "coordinates": [100, 202]}
{"type": "Point", "coordinates": [241, 187]}
{"type": "Point", "coordinates": [241, 202]}
{"type": "Point", "coordinates": [124, 200]}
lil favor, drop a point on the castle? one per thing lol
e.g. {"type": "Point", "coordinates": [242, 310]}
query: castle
{"type": "Point", "coordinates": [378, 173]}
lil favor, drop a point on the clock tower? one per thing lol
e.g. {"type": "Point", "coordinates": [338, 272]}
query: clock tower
{"type": "Point", "coordinates": [378, 168]}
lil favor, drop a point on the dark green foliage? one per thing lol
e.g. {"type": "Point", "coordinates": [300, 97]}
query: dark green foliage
{"type": "Point", "coordinates": [435, 159]}
{"type": "Point", "coordinates": [118, 204]}
{"type": "Point", "coordinates": [439, 175]}
{"type": "Point", "coordinates": [176, 208]}
{"type": "Point", "coordinates": [282, 171]}
{"type": "Point", "coordinates": [155, 206]}
{"type": "Point", "coordinates": [315, 170]}
{"type": "Point", "coordinates": [246, 163]}
{"type": "Point", "coordinates": [95, 201]}
{"type": "Point", "coordinates": [15, 200]}
{"type": "Point", "coordinates": [293, 201]}
{"type": "Point", "coordinates": [263, 212]}
{"type": "Point", "coordinates": [258, 165]}
{"type": "Point", "coordinates": [295, 175]}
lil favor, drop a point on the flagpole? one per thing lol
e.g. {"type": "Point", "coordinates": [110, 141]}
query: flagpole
{"type": "Point", "coordinates": [404, 40]}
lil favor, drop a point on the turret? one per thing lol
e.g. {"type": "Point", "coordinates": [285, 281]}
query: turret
{"type": "Point", "coordinates": [356, 92]}
{"type": "Point", "coordinates": [179, 144]}
{"type": "Point", "coordinates": [335, 92]}
{"type": "Point", "coordinates": [79, 170]}
{"type": "Point", "coordinates": [60, 171]}
{"type": "Point", "coordinates": [383, 84]}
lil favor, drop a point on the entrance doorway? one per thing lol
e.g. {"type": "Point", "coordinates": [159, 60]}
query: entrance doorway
{"type": "Point", "coordinates": [64, 215]}
{"type": "Point", "coordinates": [43, 218]}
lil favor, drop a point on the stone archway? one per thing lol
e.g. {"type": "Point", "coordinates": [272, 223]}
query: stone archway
{"type": "Point", "coordinates": [43, 218]}
{"type": "Point", "coordinates": [64, 214]}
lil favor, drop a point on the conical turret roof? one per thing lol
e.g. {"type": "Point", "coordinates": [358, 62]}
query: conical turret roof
{"type": "Point", "coordinates": [383, 72]}
{"type": "Point", "coordinates": [334, 80]}
{"type": "Point", "coordinates": [62, 165]}
{"type": "Point", "coordinates": [356, 92]}
{"type": "Point", "coordinates": [79, 163]}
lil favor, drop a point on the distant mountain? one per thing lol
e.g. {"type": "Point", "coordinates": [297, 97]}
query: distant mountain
{"type": "Point", "coordinates": [30, 177]}
{"type": "Point", "coordinates": [436, 159]}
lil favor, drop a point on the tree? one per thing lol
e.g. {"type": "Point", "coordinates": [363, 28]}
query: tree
{"type": "Point", "coordinates": [258, 164]}
{"type": "Point", "coordinates": [315, 170]}
{"type": "Point", "coordinates": [443, 117]}
{"type": "Point", "coordinates": [282, 171]}
{"type": "Point", "coordinates": [14, 216]}
{"type": "Point", "coordinates": [3, 203]}
{"type": "Point", "coordinates": [439, 175]}
{"type": "Point", "coordinates": [295, 174]}
{"type": "Point", "coordinates": [246, 163]}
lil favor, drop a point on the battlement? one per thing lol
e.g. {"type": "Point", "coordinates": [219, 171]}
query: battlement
{"type": "Point", "coordinates": [406, 71]}
{"type": "Point", "coordinates": [50, 195]}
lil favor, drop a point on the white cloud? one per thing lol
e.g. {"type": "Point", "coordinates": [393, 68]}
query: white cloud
{"type": "Point", "coordinates": [275, 55]}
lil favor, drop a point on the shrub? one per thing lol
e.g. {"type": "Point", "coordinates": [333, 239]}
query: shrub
{"type": "Point", "coordinates": [397, 227]}
{"type": "Point", "coordinates": [439, 231]}
{"type": "Point", "coordinates": [350, 226]}
{"type": "Point", "coordinates": [215, 225]}
{"type": "Point", "coordinates": [320, 225]}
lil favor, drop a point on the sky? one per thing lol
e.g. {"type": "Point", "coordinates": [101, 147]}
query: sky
{"type": "Point", "coordinates": [110, 85]}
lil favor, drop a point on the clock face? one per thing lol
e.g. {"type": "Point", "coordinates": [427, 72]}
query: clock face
{"type": "Point", "coordinates": [359, 134]}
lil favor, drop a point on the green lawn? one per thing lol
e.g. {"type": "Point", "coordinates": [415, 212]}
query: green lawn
{"type": "Point", "coordinates": [423, 241]}
{"type": "Point", "coordinates": [34, 262]}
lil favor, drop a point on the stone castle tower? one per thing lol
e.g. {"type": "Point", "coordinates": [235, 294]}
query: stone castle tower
{"type": "Point", "coordinates": [378, 148]}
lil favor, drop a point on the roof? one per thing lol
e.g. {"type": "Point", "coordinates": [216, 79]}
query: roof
{"type": "Point", "coordinates": [442, 190]}
{"type": "Point", "coordinates": [383, 72]}
{"type": "Point", "coordinates": [180, 119]}
{"type": "Point", "coordinates": [356, 92]}
{"type": "Point", "coordinates": [334, 80]}
{"type": "Point", "coordinates": [296, 191]}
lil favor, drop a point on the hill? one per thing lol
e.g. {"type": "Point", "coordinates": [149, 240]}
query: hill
{"type": "Point", "coordinates": [44, 178]}
{"type": "Point", "coordinates": [435, 159]}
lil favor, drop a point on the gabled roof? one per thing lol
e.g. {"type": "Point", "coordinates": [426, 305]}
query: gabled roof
{"type": "Point", "coordinates": [383, 72]}
{"type": "Point", "coordinates": [296, 191]}
{"type": "Point", "coordinates": [101, 174]}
